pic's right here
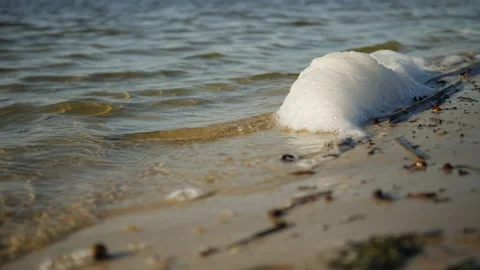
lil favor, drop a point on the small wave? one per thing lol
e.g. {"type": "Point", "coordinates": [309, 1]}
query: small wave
{"type": "Point", "coordinates": [81, 56]}
{"type": "Point", "coordinates": [22, 25]}
{"type": "Point", "coordinates": [149, 52]}
{"type": "Point", "coordinates": [101, 31]}
{"type": "Point", "coordinates": [99, 46]}
{"type": "Point", "coordinates": [265, 77]}
{"type": "Point", "coordinates": [182, 49]}
{"type": "Point", "coordinates": [219, 86]}
{"type": "Point", "coordinates": [60, 65]}
{"type": "Point", "coordinates": [15, 109]}
{"type": "Point", "coordinates": [114, 95]}
{"type": "Point", "coordinates": [134, 75]}
{"type": "Point", "coordinates": [305, 23]}
{"type": "Point", "coordinates": [273, 75]}
{"type": "Point", "coordinates": [53, 78]}
{"type": "Point", "coordinates": [5, 24]}
{"type": "Point", "coordinates": [208, 133]}
{"type": "Point", "coordinates": [13, 87]}
{"type": "Point", "coordinates": [16, 113]}
{"type": "Point", "coordinates": [206, 56]}
{"type": "Point", "coordinates": [180, 102]}
{"type": "Point", "coordinates": [95, 77]}
{"type": "Point", "coordinates": [171, 73]}
{"type": "Point", "coordinates": [119, 75]}
{"type": "Point", "coordinates": [83, 108]}
{"type": "Point", "coordinates": [6, 41]}
{"type": "Point", "coordinates": [164, 92]}
{"type": "Point", "coordinates": [6, 70]}
{"type": "Point", "coordinates": [391, 45]}
{"type": "Point", "coordinates": [6, 51]}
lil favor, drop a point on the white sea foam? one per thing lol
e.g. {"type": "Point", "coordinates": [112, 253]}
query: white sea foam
{"type": "Point", "coordinates": [453, 60]}
{"type": "Point", "coordinates": [341, 91]}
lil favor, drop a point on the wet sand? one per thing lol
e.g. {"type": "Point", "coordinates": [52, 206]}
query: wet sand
{"type": "Point", "coordinates": [318, 227]}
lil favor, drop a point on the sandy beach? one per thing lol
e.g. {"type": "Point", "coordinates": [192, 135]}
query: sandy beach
{"type": "Point", "coordinates": [377, 189]}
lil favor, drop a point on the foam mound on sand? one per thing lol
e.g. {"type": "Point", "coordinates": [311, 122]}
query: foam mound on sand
{"type": "Point", "coordinates": [341, 91]}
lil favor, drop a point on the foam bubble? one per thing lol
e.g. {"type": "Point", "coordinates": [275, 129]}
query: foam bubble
{"type": "Point", "coordinates": [341, 91]}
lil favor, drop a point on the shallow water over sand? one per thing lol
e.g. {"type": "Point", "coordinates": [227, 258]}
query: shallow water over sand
{"type": "Point", "coordinates": [107, 104]}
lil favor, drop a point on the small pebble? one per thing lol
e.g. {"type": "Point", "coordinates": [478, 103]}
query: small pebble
{"type": "Point", "coordinates": [289, 158]}
{"type": "Point", "coordinates": [276, 213]}
{"type": "Point", "coordinates": [99, 252]}
{"type": "Point", "coordinates": [441, 133]}
{"type": "Point", "coordinates": [207, 251]}
{"type": "Point", "coordinates": [436, 108]}
{"type": "Point", "coordinates": [420, 163]}
{"type": "Point", "coordinates": [378, 194]}
{"type": "Point", "coordinates": [275, 216]}
{"type": "Point", "coordinates": [447, 168]}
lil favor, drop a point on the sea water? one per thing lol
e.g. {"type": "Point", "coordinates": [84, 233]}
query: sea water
{"type": "Point", "coordinates": [110, 105]}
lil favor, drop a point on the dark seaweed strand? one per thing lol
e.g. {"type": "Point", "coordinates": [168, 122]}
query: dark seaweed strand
{"type": "Point", "coordinates": [437, 97]}
{"type": "Point", "coordinates": [454, 73]}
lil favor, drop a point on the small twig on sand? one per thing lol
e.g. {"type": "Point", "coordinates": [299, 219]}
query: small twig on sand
{"type": "Point", "coordinates": [257, 235]}
{"type": "Point", "coordinates": [276, 218]}
{"type": "Point", "coordinates": [307, 199]}
{"type": "Point", "coordinates": [405, 144]}
{"type": "Point", "coordinates": [211, 250]}
{"type": "Point", "coordinates": [432, 196]}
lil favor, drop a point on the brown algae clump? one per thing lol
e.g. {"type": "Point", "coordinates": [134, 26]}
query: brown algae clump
{"type": "Point", "coordinates": [378, 252]}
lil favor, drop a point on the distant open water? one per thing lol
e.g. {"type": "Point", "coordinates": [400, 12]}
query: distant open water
{"type": "Point", "coordinates": [108, 104]}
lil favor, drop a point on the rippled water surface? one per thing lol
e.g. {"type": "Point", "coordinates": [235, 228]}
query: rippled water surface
{"type": "Point", "coordinates": [106, 104]}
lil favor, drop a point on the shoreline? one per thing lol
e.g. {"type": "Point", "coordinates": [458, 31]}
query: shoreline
{"type": "Point", "coordinates": [177, 234]}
